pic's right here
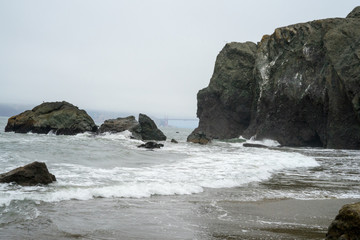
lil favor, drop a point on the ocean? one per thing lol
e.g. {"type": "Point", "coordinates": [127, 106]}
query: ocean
{"type": "Point", "coordinates": [108, 188]}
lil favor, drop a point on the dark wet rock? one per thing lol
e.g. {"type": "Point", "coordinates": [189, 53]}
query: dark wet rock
{"type": "Point", "coordinates": [149, 130]}
{"type": "Point", "coordinates": [144, 129]}
{"type": "Point", "coordinates": [120, 125]}
{"type": "Point", "coordinates": [299, 86]}
{"type": "Point", "coordinates": [224, 107]}
{"type": "Point", "coordinates": [174, 141]}
{"type": "Point", "coordinates": [346, 225]}
{"type": "Point", "coordinates": [29, 175]}
{"type": "Point", "coordinates": [254, 145]}
{"type": "Point", "coordinates": [151, 145]}
{"type": "Point", "coordinates": [61, 117]}
{"type": "Point", "coordinates": [198, 137]}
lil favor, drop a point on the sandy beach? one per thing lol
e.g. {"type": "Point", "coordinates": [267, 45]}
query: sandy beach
{"type": "Point", "coordinates": [181, 217]}
{"type": "Point", "coordinates": [279, 219]}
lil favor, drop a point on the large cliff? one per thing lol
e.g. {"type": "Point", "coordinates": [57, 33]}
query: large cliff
{"type": "Point", "coordinates": [299, 86]}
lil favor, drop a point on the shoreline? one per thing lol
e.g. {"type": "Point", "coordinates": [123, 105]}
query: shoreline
{"type": "Point", "coordinates": [281, 219]}
{"type": "Point", "coordinates": [197, 216]}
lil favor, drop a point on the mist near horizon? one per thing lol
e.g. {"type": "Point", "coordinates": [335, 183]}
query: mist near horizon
{"type": "Point", "coordinates": [131, 56]}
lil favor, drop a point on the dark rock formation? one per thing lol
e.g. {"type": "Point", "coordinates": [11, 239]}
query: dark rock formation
{"type": "Point", "coordinates": [149, 130]}
{"type": "Point", "coordinates": [29, 175]}
{"type": "Point", "coordinates": [61, 117]}
{"type": "Point", "coordinates": [346, 225]}
{"type": "Point", "coordinates": [151, 145]}
{"type": "Point", "coordinates": [145, 129]}
{"type": "Point", "coordinates": [299, 86]}
{"type": "Point", "coordinates": [120, 125]}
{"type": "Point", "coordinates": [174, 141]}
{"type": "Point", "coordinates": [198, 137]}
{"type": "Point", "coordinates": [224, 107]}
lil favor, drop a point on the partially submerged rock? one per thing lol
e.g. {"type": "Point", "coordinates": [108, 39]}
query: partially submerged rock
{"type": "Point", "coordinates": [174, 141]}
{"type": "Point", "coordinates": [29, 175]}
{"type": "Point", "coordinates": [62, 118]}
{"type": "Point", "coordinates": [145, 129]}
{"type": "Point", "coordinates": [254, 145]}
{"type": "Point", "coordinates": [151, 145]}
{"type": "Point", "coordinates": [120, 125]}
{"type": "Point", "coordinates": [198, 137]}
{"type": "Point", "coordinates": [346, 225]}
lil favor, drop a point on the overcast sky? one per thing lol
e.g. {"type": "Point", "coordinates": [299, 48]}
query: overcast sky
{"type": "Point", "coordinates": [132, 56]}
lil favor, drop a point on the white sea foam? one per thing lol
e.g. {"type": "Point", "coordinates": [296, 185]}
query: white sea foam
{"type": "Point", "coordinates": [111, 166]}
{"type": "Point", "coordinates": [205, 167]}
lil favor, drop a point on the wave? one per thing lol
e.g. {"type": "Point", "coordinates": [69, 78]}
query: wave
{"type": "Point", "coordinates": [204, 167]}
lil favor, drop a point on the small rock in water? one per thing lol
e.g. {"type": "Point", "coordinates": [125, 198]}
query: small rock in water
{"type": "Point", "coordinates": [151, 145]}
{"type": "Point", "coordinates": [29, 175]}
{"type": "Point", "coordinates": [174, 141]}
{"type": "Point", "coordinates": [149, 130]}
{"type": "Point", "coordinates": [254, 145]}
{"type": "Point", "coordinates": [198, 137]}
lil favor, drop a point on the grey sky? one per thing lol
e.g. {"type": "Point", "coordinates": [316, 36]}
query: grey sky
{"type": "Point", "coordinates": [137, 56]}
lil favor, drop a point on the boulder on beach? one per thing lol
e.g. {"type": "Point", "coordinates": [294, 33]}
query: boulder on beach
{"type": "Point", "coordinates": [62, 118]}
{"type": "Point", "coordinates": [29, 175]}
{"type": "Point", "coordinates": [151, 145]}
{"type": "Point", "coordinates": [346, 225]}
{"type": "Point", "coordinates": [299, 86]}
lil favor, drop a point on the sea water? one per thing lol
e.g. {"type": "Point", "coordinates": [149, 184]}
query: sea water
{"type": "Point", "coordinates": [108, 188]}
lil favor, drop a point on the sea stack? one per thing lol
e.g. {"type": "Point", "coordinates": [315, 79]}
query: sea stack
{"type": "Point", "coordinates": [299, 86]}
{"type": "Point", "coordinates": [62, 118]}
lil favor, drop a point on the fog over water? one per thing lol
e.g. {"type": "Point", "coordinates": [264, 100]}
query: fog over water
{"type": "Point", "coordinates": [134, 56]}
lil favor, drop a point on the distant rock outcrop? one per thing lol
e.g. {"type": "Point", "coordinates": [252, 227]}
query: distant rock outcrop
{"type": "Point", "coordinates": [299, 86]}
{"type": "Point", "coordinates": [29, 175]}
{"type": "Point", "coordinates": [346, 225]}
{"type": "Point", "coordinates": [61, 117]}
{"type": "Point", "coordinates": [145, 129]}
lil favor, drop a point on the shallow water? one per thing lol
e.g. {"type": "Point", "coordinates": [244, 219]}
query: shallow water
{"type": "Point", "coordinates": [107, 188]}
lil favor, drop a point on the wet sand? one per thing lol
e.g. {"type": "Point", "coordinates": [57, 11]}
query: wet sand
{"type": "Point", "coordinates": [177, 217]}
{"type": "Point", "coordinates": [278, 219]}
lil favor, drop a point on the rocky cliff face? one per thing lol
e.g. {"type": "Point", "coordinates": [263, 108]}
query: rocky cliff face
{"type": "Point", "coordinates": [299, 86]}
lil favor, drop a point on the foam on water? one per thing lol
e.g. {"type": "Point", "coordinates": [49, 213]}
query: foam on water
{"type": "Point", "coordinates": [91, 166]}
{"type": "Point", "coordinates": [213, 166]}
{"type": "Point", "coordinates": [266, 142]}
